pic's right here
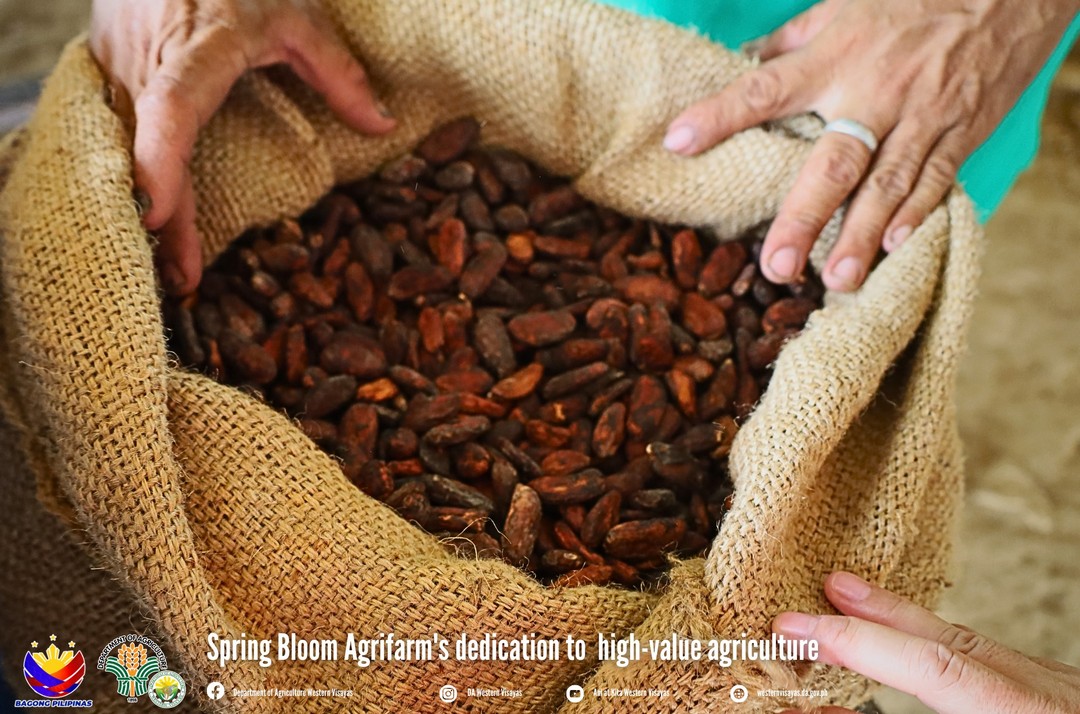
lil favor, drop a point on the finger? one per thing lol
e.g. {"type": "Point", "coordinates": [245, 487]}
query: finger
{"type": "Point", "coordinates": [834, 168]}
{"type": "Point", "coordinates": [934, 183]}
{"type": "Point", "coordinates": [319, 58]}
{"type": "Point", "coordinates": [1060, 667]}
{"type": "Point", "coordinates": [178, 100]}
{"type": "Point", "coordinates": [947, 681]}
{"type": "Point", "coordinates": [179, 258]}
{"type": "Point", "coordinates": [891, 180]}
{"type": "Point", "coordinates": [776, 89]}
{"type": "Point", "coordinates": [796, 32]}
{"type": "Point", "coordinates": [856, 597]}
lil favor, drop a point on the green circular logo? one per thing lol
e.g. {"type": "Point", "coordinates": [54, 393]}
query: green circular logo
{"type": "Point", "coordinates": [166, 689]}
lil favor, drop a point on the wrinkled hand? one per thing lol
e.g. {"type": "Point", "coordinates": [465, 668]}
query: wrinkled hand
{"type": "Point", "coordinates": [949, 668]}
{"type": "Point", "coordinates": [176, 61]}
{"type": "Point", "coordinates": [931, 79]}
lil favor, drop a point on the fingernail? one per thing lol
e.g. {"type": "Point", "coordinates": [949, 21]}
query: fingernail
{"type": "Point", "coordinates": [784, 263]}
{"type": "Point", "coordinates": [383, 110]}
{"type": "Point", "coordinates": [753, 47]}
{"type": "Point", "coordinates": [898, 236]}
{"type": "Point", "coordinates": [848, 272]}
{"type": "Point", "coordinates": [143, 201]}
{"type": "Point", "coordinates": [679, 138]}
{"type": "Point", "coordinates": [172, 278]}
{"type": "Point", "coordinates": [852, 587]}
{"type": "Point", "coordinates": [796, 624]}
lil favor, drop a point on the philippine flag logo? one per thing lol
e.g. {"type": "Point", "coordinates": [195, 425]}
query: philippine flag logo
{"type": "Point", "coordinates": [53, 673]}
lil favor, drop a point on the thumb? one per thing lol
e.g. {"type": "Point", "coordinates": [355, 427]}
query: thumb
{"type": "Point", "coordinates": [179, 98]}
{"type": "Point", "coordinates": [179, 258]}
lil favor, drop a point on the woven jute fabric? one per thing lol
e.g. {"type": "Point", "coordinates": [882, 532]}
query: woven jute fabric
{"type": "Point", "coordinates": [144, 498]}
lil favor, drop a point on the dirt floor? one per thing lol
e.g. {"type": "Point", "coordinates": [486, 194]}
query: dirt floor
{"type": "Point", "coordinates": [32, 33]}
{"type": "Point", "coordinates": [1017, 577]}
{"type": "Point", "coordinates": [1017, 571]}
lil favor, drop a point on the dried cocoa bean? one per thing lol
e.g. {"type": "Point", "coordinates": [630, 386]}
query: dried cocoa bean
{"type": "Point", "coordinates": [542, 328]}
{"type": "Point", "coordinates": [649, 290]}
{"type": "Point", "coordinates": [284, 258]}
{"type": "Point", "coordinates": [475, 212]}
{"type": "Point", "coordinates": [787, 315]}
{"type": "Point", "coordinates": [329, 395]}
{"type": "Point", "coordinates": [645, 408]}
{"type": "Point", "coordinates": [642, 539]}
{"type": "Point", "coordinates": [601, 518]}
{"type": "Point", "coordinates": [349, 353]}
{"type": "Point", "coordinates": [415, 280]}
{"type": "Point", "coordinates": [574, 352]}
{"type": "Point", "coordinates": [459, 431]}
{"type": "Point", "coordinates": [374, 479]}
{"type": "Point", "coordinates": [567, 409]}
{"type": "Point", "coordinates": [683, 391]}
{"type": "Point", "coordinates": [410, 500]}
{"type": "Point", "coordinates": [456, 176]}
{"type": "Point", "coordinates": [571, 489]}
{"type": "Point", "coordinates": [522, 524]}
{"type": "Point", "coordinates": [658, 500]}
{"type": "Point", "coordinates": [403, 170]}
{"type": "Point", "coordinates": [482, 270]}
{"type": "Point", "coordinates": [686, 259]}
{"type": "Point", "coordinates": [610, 431]}
{"type": "Point", "coordinates": [561, 247]}
{"type": "Point", "coordinates": [517, 457]}
{"type": "Point", "coordinates": [564, 462]}
{"type": "Point", "coordinates": [724, 264]}
{"type": "Point", "coordinates": [401, 443]}
{"type": "Point", "coordinates": [248, 359]}
{"type": "Point", "coordinates": [319, 430]}
{"type": "Point", "coordinates": [557, 560]}
{"type": "Point", "coordinates": [451, 492]}
{"type": "Point", "coordinates": [565, 537]}
{"type": "Point", "coordinates": [449, 141]}
{"type": "Point", "coordinates": [454, 519]}
{"type": "Point", "coordinates": [412, 381]}
{"type": "Point", "coordinates": [520, 384]}
{"type": "Point", "coordinates": [359, 429]}
{"type": "Point", "coordinates": [703, 318]}
{"type": "Point", "coordinates": [472, 461]}
{"type": "Point", "coordinates": [574, 380]}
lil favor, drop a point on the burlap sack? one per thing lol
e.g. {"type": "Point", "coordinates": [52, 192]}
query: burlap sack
{"type": "Point", "coordinates": [144, 498]}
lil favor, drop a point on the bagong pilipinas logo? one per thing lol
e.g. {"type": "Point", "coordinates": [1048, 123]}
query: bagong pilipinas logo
{"type": "Point", "coordinates": [137, 658]}
{"type": "Point", "coordinates": [53, 673]}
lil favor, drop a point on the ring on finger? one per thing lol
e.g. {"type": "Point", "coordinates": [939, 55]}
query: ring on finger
{"type": "Point", "coordinates": [856, 130]}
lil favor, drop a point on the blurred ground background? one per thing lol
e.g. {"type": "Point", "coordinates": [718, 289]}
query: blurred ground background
{"type": "Point", "coordinates": [1017, 575]}
{"type": "Point", "coordinates": [1017, 570]}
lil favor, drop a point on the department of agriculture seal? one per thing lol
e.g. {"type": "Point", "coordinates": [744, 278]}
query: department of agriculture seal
{"type": "Point", "coordinates": [137, 658]}
{"type": "Point", "coordinates": [166, 689]}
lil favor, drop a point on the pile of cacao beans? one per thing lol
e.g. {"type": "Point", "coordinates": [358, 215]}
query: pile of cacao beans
{"type": "Point", "coordinates": [525, 374]}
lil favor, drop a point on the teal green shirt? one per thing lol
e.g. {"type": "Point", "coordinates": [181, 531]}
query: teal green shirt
{"type": "Point", "coordinates": [987, 175]}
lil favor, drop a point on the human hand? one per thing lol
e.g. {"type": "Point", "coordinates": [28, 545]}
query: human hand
{"type": "Point", "coordinates": [931, 80]}
{"type": "Point", "coordinates": [176, 60]}
{"type": "Point", "coordinates": [949, 668]}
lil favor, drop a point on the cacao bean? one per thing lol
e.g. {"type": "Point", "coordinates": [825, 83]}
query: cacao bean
{"type": "Point", "coordinates": [522, 524]}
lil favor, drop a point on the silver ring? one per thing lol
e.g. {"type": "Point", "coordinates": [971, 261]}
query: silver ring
{"type": "Point", "coordinates": [854, 129]}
